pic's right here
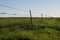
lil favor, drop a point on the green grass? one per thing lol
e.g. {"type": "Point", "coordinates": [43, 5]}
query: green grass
{"type": "Point", "coordinates": [20, 29]}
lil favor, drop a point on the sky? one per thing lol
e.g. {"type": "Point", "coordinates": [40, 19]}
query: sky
{"type": "Point", "coordinates": [51, 8]}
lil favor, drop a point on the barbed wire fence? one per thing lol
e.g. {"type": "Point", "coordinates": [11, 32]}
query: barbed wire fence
{"type": "Point", "coordinates": [7, 11]}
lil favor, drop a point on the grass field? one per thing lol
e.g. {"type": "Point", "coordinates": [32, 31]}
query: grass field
{"type": "Point", "coordinates": [20, 29]}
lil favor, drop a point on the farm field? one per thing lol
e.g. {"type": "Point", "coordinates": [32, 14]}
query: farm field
{"type": "Point", "coordinates": [21, 29]}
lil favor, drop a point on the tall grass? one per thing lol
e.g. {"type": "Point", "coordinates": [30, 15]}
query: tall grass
{"type": "Point", "coordinates": [20, 29]}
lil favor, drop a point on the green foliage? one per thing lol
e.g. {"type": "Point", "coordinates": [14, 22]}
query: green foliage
{"type": "Point", "coordinates": [20, 29]}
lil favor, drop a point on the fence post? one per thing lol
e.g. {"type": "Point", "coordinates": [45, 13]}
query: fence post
{"type": "Point", "coordinates": [30, 18]}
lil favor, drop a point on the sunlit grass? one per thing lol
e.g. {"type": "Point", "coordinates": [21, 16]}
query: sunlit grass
{"type": "Point", "coordinates": [20, 29]}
